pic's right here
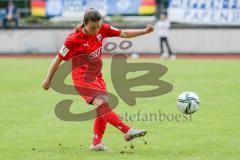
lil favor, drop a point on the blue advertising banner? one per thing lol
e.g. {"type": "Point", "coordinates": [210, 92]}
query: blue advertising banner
{"type": "Point", "coordinates": [54, 7]}
{"type": "Point", "coordinates": [76, 8]}
{"type": "Point", "coordinates": [213, 12]}
{"type": "Point", "coordinates": [123, 7]}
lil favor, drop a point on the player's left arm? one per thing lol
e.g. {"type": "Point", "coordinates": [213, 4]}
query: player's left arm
{"type": "Point", "coordinates": [137, 32]}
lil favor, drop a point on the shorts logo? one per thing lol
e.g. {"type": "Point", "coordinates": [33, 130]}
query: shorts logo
{"type": "Point", "coordinates": [64, 50]}
{"type": "Point", "coordinates": [95, 53]}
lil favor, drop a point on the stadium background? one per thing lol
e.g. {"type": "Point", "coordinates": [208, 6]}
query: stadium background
{"type": "Point", "coordinates": [214, 23]}
{"type": "Point", "coordinates": [206, 30]}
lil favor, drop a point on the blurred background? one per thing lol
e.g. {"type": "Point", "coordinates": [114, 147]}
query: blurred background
{"type": "Point", "coordinates": [197, 26]}
{"type": "Point", "coordinates": [194, 32]}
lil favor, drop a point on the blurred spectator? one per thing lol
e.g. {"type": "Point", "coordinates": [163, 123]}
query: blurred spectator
{"type": "Point", "coordinates": [162, 28]}
{"type": "Point", "coordinates": [11, 15]}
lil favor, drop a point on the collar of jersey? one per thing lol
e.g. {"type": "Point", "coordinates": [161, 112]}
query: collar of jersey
{"type": "Point", "coordinates": [81, 30]}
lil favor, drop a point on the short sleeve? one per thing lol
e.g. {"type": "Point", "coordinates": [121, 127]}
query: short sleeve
{"type": "Point", "coordinates": [111, 31]}
{"type": "Point", "coordinates": [67, 50]}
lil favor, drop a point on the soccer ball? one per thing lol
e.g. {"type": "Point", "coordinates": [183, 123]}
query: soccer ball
{"type": "Point", "coordinates": [188, 102]}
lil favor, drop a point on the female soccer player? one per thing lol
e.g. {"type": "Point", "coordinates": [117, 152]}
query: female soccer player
{"type": "Point", "coordinates": [84, 45]}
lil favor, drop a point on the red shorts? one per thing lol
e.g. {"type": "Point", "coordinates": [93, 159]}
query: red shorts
{"type": "Point", "coordinates": [89, 91]}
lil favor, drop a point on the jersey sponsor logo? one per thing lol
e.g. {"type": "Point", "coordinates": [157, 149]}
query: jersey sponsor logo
{"type": "Point", "coordinates": [114, 28]}
{"type": "Point", "coordinates": [64, 50]}
{"type": "Point", "coordinates": [95, 53]}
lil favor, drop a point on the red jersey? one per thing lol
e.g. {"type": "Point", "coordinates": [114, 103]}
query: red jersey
{"type": "Point", "coordinates": [85, 51]}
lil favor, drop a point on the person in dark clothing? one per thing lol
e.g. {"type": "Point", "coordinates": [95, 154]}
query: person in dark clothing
{"type": "Point", "coordinates": [11, 15]}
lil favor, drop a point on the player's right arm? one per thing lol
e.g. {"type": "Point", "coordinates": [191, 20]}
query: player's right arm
{"type": "Point", "coordinates": [52, 69]}
{"type": "Point", "coordinates": [65, 53]}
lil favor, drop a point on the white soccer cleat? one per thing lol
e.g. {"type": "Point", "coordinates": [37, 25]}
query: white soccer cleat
{"type": "Point", "coordinates": [134, 133]}
{"type": "Point", "coordinates": [98, 147]}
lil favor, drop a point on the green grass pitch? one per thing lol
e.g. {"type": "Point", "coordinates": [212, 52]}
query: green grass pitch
{"type": "Point", "coordinates": [29, 129]}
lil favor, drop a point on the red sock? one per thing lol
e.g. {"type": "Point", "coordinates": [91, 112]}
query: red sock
{"type": "Point", "coordinates": [111, 117]}
{"type": "Point", "coordinates": [98, 130]}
